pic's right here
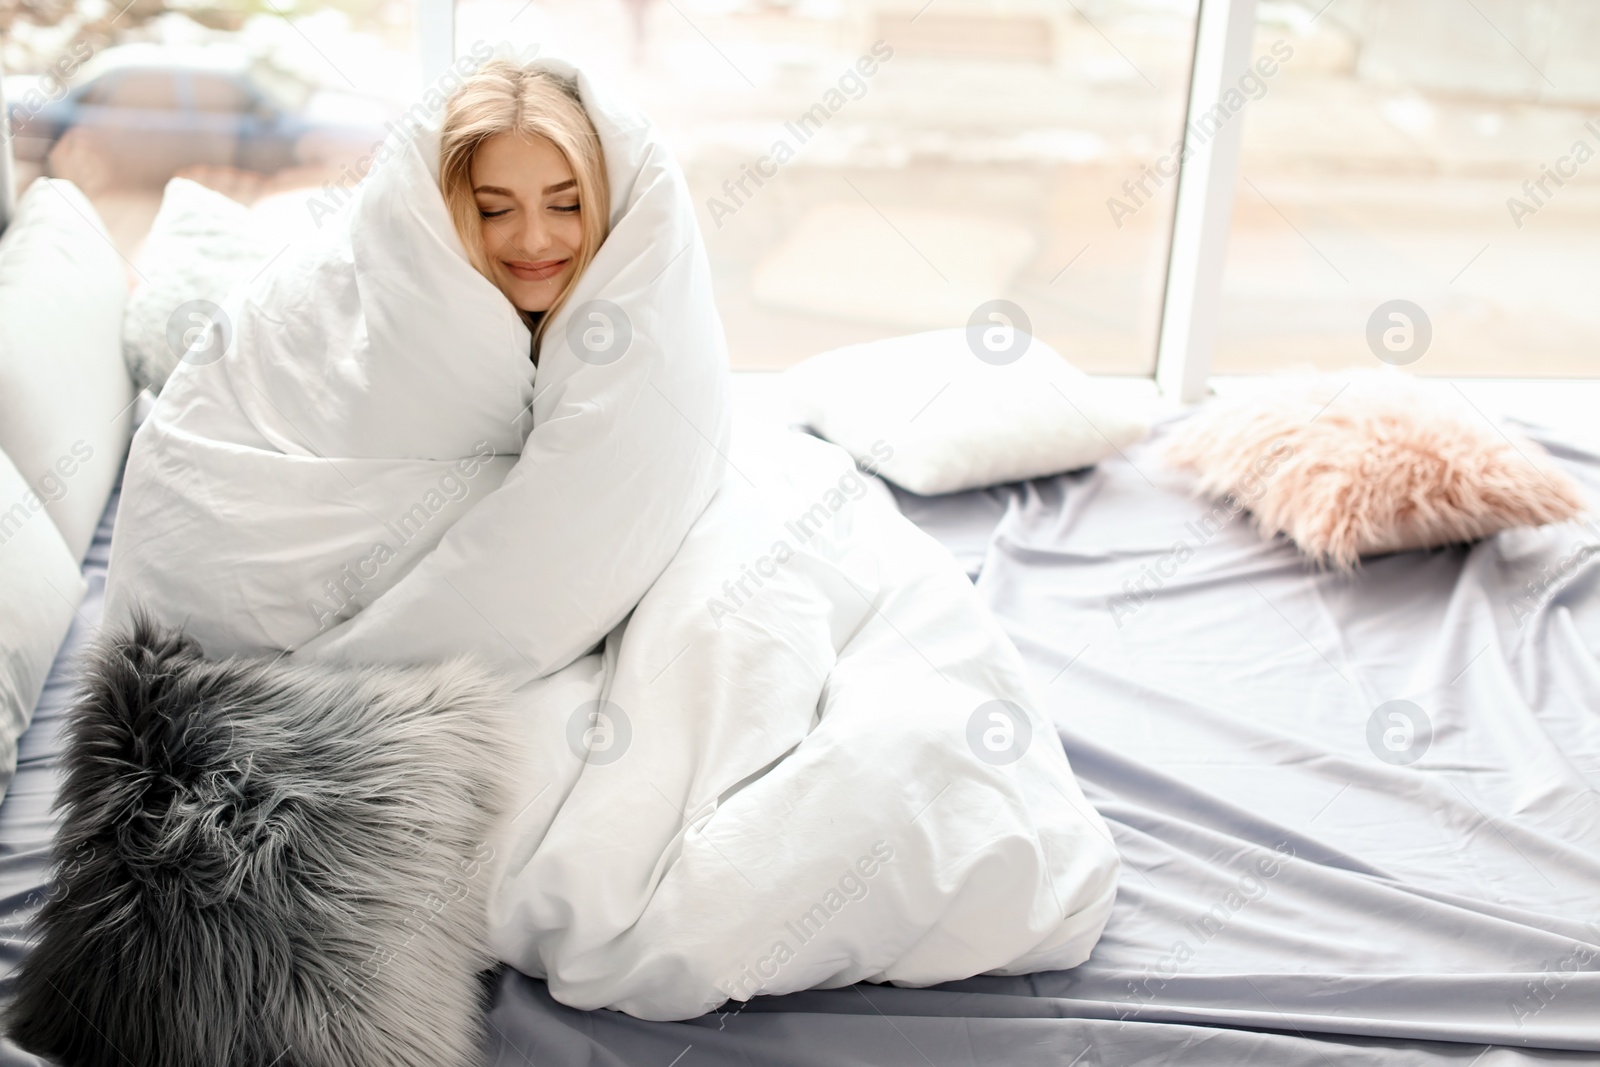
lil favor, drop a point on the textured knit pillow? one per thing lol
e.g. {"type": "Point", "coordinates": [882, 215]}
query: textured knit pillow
{"type": "Point", "coordinates": [269, 862]}
{"type": "Point", "coordinates": [40, 589]}
{"type": "Point", "coordinates": [1371, 462]}
{"type": "Point", "coordinates": [939, 412]}
{"type": "Point", "coordinates": [65, 398]}
{"type": "Point", "coordinates": [200, 246]}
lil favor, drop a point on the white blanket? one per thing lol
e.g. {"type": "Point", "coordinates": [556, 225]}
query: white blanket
{"type": "Point", "coordinates": [776, 742]}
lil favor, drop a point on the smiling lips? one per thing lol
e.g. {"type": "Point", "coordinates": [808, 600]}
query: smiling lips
{"type": "Point", "coordinates": [535, 272]}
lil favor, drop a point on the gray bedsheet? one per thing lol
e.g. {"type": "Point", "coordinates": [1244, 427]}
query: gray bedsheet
{"type": "Point", "coordinates": [1315, 874]}
{"type": "Point", "coordinates": [27, 824]}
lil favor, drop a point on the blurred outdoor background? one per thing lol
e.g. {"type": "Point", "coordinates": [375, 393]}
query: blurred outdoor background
{"type": "Point", "coordinates": [1379, 167]}
{"type": "Point", "coordinates": [976, 162]}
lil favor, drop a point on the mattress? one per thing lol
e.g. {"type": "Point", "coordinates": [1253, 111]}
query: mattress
{"type": "Point", "coordinates": [1359, 813]}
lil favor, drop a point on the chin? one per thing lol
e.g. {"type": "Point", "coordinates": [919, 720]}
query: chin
{"type": "Point", "coordinates": [529, 297]}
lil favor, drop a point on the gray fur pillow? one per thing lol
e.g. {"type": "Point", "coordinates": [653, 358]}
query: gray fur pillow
{"type": "Point", "coordinates": [269, 862]}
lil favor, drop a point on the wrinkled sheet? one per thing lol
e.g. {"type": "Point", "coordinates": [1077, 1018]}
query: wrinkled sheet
{"type": "Point", "coordinates": [1445, 910]}
{"type": "Point", "coordinates": [27, 825]}
{"type": "Point", "coordinates": [1208, 730]}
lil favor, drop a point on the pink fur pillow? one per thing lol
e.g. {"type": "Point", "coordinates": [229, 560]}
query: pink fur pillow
{"type": "Point", "coordinates": [1370, 462]}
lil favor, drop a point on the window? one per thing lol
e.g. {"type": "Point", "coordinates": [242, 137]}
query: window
{"type": "Point", "coordinates": [215, 93]}
{"type": "Point", "coordinates": [149, 90]}
{"type": "Point", "coordinates": [1416, 181]}
{"type": "Point", "coordinates": [1428, 152]}
{"type": "Point", "coordinates": [850, 190]}
{"type": "Point", "coordinates": [157, 93]}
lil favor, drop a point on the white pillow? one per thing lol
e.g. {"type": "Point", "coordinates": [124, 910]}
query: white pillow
{"type": "Point", "coordinates": [200, 246]}
{"type": "Point", "coordinates": [64, 389]}
{"type": "Point", "coordinates": [40, 589]}
{"type": "Point", "coordinates": [927, 413]}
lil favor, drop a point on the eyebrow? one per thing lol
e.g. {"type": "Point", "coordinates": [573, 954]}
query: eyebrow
{"type": "Point", "coordinates": [556, 188]}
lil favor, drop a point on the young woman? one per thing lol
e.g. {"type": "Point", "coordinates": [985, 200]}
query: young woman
{"type": "Point", "coordinates": [523, 175]}
{"type": "Point", "coordinates": [710, 806]}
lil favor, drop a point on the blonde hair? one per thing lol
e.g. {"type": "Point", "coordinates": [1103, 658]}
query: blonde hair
{"type": "Point", "coordinates": [505, 97]}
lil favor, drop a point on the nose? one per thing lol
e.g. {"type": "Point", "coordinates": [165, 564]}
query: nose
{"type": "Point", "coordinates": [533, 238]}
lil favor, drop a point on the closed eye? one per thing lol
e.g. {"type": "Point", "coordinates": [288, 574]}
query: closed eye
{"type": "Point", "coordinates": [494, 214]}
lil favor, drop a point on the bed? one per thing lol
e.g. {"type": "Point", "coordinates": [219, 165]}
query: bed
{"type": "Point", "coordinates": [1358, 815]}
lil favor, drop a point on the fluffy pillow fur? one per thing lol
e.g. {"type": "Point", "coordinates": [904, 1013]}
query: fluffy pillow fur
{"type": "Point", "coordinates": [269, 862]}
{"type": "Point", "coordinates": [1371, 462]}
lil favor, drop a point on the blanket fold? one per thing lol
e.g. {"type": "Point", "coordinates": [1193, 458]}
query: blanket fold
{"type": "Point", "coordinates": [379, 379]}
{"type": "Point", "coordinates": [779, 742]}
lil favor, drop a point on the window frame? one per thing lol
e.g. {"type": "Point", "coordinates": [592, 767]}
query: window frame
{"type": "Point", "coordinates": [1223, 41]}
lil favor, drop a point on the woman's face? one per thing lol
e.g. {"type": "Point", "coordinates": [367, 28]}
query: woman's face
{"type": "Point", "coordinates": [532, 221]}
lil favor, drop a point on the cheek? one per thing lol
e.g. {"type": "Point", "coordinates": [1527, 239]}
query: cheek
{"type": "Point", "coordinates": [492, 240]}
{"type": "Point", "coordinates": [572, 232]}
